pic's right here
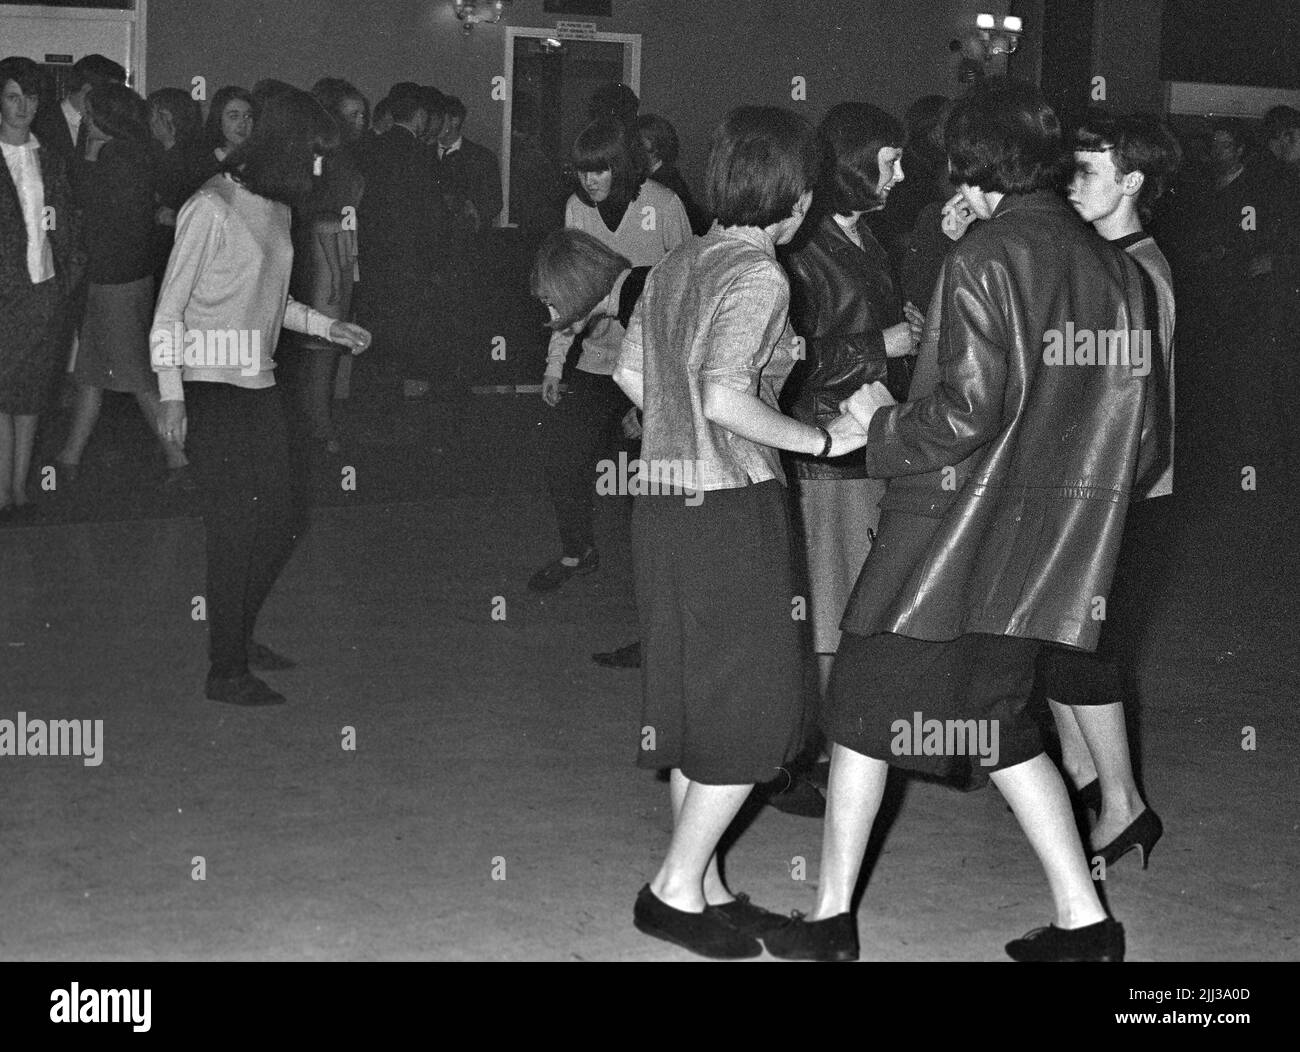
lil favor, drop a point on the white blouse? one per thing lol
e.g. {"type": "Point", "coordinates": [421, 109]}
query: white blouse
{"type": "Point", "coordinates": [25, 167]}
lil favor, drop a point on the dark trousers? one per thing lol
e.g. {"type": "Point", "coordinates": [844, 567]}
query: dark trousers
{"type": "Point", "coordinates": [401, 313]}
{"type": "Point", "coordinates": [254, 508]}
{"type": "Point", "coordinates": [576, 433]}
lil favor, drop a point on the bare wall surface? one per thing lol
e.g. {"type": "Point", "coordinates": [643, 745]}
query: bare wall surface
{"type": "Point", "coordinates": [698, 59]}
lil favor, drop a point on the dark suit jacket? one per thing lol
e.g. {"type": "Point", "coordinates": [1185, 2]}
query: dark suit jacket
{"type": "Point", "coordinates": [51, 127]}
{"type": "Point", "coordinates": [402, 225]}
{"type": "Point", "coordinates": [64, 233]}
{"type": "Point", "coordinates": [472, 172]}
{"type": "Point", "coordinates": [698, 217]}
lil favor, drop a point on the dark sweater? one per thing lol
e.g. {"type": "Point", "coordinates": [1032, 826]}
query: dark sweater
{"type": "Point", "coordinates": [117, 205]}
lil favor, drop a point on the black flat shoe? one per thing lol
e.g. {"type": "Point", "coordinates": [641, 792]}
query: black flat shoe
{"type": "Point", "coordinates": [264, 659]}
{"type": "Point", "coordinates": [832, 939]}
{"type": "Point", "coordinates": [246, 690]}
{"type": "Point", "coordinates": [555, 573]}
{"type": "Point", "coordinates": [1142, 834]}
{"type": "Point", "coordinates": [624, 657]}
{"type": "Point", "coordinates": [1103, 941]}
{"type": "Point", "coordinates": [709, 934]}
{"type": "Point", "coordinates": [745, 916]}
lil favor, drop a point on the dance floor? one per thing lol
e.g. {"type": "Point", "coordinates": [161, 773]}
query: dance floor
{"type": "Point", "coordinates": [490, 808]}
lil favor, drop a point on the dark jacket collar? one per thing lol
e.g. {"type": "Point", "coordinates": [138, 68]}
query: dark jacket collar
{"type": "Point", "coordinates": [1036, 201]}
{"type": "Point", "coordinates": [838, 241]}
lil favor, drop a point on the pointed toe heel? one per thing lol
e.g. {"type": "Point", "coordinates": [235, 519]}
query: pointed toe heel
{"type": "Point", "coordinates": [1141, 835]}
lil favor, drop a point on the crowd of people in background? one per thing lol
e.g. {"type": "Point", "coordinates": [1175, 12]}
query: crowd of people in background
{"type": "Point", "coordinates": [847, 310]}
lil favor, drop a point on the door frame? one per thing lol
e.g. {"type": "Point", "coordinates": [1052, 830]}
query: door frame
{"type": "Point", "coordinates": [631, 77]}
{"type": "Point", "coordinates": [138, 17]}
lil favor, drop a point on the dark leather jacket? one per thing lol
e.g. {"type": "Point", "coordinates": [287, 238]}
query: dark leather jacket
{"type": "Point", "coordinates": [841, 298]}
{"type": "Point", "coordinates": [1009, 477]}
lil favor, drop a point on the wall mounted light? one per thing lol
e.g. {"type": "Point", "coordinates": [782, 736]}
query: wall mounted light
{"type": "Point", "coordinates": [984, 43]}
{"type": "Point", "coordinates": [474, 12]}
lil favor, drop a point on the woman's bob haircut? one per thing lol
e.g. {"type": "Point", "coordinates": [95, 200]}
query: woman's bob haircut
{"type": "Point", "coordinates": [763, 159]}
{"type": "Point", "coordinates": [573, 272]}
{"type": "Point", "coordinates": [852, 135]}
{"type": "Point", "coordinates": [22, 71]}
{"type": "Point", "coordinates": [278, 159]}
{"type": "Point", "coordinates": [1004, 138]}
{"type": "Point", "coordinates": [605, 145]}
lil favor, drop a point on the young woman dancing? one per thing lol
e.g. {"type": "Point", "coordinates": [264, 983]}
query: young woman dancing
{"type": "Point", "coordinates": [1009, 480]}
{"type": "Point", "coordinates": [229, 275]}
{"type": "Point", "coordinates": [706, 353]}
{"type": "Point", "coordinates": [643, 221]}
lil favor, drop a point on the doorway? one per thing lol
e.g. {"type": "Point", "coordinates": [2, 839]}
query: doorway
{"type": "Point", "coordinates": [549, 83]}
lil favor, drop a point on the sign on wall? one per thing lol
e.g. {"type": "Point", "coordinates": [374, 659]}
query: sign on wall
{"type": "Point", "coordinates": [579, 7]}
{"type": "Point", "coordinates": [575, 30]}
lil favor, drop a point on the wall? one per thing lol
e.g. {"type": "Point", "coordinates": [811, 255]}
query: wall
{"type": "Point", "coordinates": [699, 57]}
{"type": "Point", "coordinates": [1126, 51]}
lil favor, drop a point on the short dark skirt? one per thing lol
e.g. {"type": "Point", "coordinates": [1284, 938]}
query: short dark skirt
{"type": "Point", "coordinates": [957, 710]}
{"type": "Point", "coordinates": [113, 352]}
{"type": "Point", "coordinates": [31, 346]}
{"type": "Point", "coordinates": [721, 668]}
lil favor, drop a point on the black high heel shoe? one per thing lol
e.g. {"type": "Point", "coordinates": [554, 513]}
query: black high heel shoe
{"type": "Point", "coordinates": [1142, 833]}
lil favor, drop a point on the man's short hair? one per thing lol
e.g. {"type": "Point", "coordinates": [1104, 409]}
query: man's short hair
{"type": "Point", "coordinates": [95, 70]}
{"type": "Point", "coordinates": [661, 136]}
{"type": "Point", "coordinates": [453, 108]}
{"type": "Point", "coordinates": [435, 102]}
{"type": "Point", "coordinates": [764, 158]}
{"type": "Point", "coordinates": [1137, 142]}
{"type": "Point", "coordinates": [405, 101]}
{"type": "Point", "coordinates": [1279, 120]}
{"type": "Point", "coordinates": [1233, 129]}
{"type": "Point", "coordinates": [614, 100]}
{"type": "Point", "coordinates": [1003, 137]}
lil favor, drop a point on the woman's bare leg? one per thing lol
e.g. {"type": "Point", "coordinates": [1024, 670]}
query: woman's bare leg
{"type": "Point", "coordinates": [1037, 796]}
{"type": "Point", "coordinates": [704, 813]}
{"type": "Point", "coordinates": [24, 442]}
{"type": "Point", "coordinates": [715, 891]}
{"type": "Point", "coordinates": [6, 459]}
{"type": "Point", "coordinates": [85, 415]}
{"type": "Point", "coordinates": [857, 785]}
{"type": "Point", "coordinates": [1076, 757]}
{"type": "Point", "coordinates": [1107, 737]}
